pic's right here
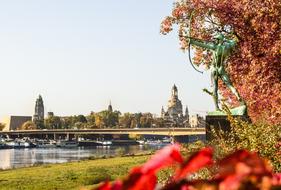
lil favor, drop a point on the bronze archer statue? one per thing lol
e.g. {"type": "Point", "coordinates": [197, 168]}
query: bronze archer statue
{"type": "Point", "coordinates": [221, 48]}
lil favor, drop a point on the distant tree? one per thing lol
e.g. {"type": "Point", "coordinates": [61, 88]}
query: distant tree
{"type": "Point", "coordinates": [99, 120]}
{"type": "Point", "coordinates": [125, 120]}
{"type": "Point", "coordinates": [146, 120]}
{"type": "Point", "coordinates": [159, 122]}
{"type": "Point", "coordinates": [29, 125]}
{"type": "Point", "coordinates": [2, 126]}
{"type": "Point", "coordinates": [91, 119]}
{"type": "Point", "coordinates": [81, 118]}
{"type": "Point", "coordinates": [53, 122]}
{"type": "Point", "coordinates": [66, 122]}
{"type": "Point", "coordinates": [107, 118]}
{"type": "Point", "coordinates": [80, 125]}
{"type": "Point", "coordinates": [134, 123]}
{"type": "Point", "coordinates": [40, 124]}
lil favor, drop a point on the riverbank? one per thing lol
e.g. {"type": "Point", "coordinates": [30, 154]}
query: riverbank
{"type": "Point", "coordinates": [70, 176]}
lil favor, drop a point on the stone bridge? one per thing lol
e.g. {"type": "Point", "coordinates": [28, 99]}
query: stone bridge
{"type": "Point", "coordinates": [139, 131]}
{"type": "Point", "coordinates": [180, 134]}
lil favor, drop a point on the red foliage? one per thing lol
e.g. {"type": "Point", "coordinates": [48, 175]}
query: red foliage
{"type": "Point", "coordinates": [240, 170]}
{"type": "Point", "coordinates": [255, 66]}
{"type": "Point", "coordinates": [195, 162]}
{"type": "Point", "coordinates": [240, 165]}
{"type": "Point", "coordinates": [165, 157]}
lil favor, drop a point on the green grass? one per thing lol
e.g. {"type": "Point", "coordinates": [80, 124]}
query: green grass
{"type": "Point", "coordinates": [73, 175]}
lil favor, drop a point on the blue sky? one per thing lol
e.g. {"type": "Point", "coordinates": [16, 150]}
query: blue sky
{"type": "Point", "coordinates": [81, 54]}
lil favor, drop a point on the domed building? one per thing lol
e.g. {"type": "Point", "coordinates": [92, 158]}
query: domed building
{"type": "Point", "coordinates": [174, 113]}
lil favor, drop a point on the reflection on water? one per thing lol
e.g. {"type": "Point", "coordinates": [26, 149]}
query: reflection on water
{"type": "Point", "coordinates": [16, 158]}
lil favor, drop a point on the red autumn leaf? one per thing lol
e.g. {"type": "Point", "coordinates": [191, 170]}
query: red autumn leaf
{"type": "Point", "coordinates": [240, 165]}
{"type": "Point", "coordinates": [117, 185]}
{"type": "Point", "coordinates": [104, 186]}
{"type": "Point", "coordinates": [243, 162]}
{"type": "Point", "coordinates": [163, 158]}
{"type": "Point", "coordinates": [198, 160]}
{"type": "Point", "coordinates": [137, 180]}
{"type": "Point", "coordinates": [276, 179]}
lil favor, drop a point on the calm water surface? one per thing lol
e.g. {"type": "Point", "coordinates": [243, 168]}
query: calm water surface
{"type": "Point", "coordinates": [16, 158]}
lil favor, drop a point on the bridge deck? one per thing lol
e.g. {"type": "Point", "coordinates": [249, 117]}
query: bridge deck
{"type": "Point", "coordinates": [140, 131]}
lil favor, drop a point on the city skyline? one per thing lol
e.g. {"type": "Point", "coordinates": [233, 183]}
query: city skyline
{"type": "Point", "coordinates": [79, 56]}
{"type": "Point", "coordinates": [106, 108]}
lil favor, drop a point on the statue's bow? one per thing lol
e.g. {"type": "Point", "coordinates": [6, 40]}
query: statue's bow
{"type": "Point", "coordinates": [189, 44]}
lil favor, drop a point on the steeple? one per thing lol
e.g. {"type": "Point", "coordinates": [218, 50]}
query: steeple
{"type": "Point", "coordinates": [186, 112]}
{"type": "Point", "coordinates": [110, 107]}
{"type": "Point", "coordinates": [162, 112]}
{"type": "Point", "coordinates": [39, 109]}
{"type": "Point", "coordinates": [175, 91]}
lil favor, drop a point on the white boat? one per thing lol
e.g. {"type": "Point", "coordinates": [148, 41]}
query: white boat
{"type": "Point", "coordinates": [153, 142]}
{"type": "Point", "coordinates": [106, 143]}
{"type": "Point", "coordinates": [24, 144]}
{"type": "Point", "coordinates": [46, 144]}
{"type": "Point", "coordinates": [167, 140]}
{"type": "Point", "coordinates": [141, 142]}
{"type": "Point", "coordinates": [18, 143]}
{"type": "Point", "coordinates": [12, 144]}
{"type": "Point", "coordinates": [67, 144]}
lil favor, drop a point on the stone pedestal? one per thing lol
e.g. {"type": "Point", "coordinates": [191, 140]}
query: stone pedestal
{"type": "Point", "coordinates": [219, 122]}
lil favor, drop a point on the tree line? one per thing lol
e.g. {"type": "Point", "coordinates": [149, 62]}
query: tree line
{"type": "Point", "coordinates": [96, 120]}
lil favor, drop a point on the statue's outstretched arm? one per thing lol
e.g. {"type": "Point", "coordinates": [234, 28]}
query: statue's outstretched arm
{"type": "Point", "coordinates": [203, 44]}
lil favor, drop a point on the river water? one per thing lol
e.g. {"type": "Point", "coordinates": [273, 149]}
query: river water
{"type": "Point", "coordinates": [17, 158]}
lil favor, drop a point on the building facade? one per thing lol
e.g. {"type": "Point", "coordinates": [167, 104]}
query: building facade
{"type": "Point", "coordinates": [15, 122]}
{"type": "Point", "coordinates": [174, 115]}
{"type": "Point", "coordinates": [197, 121]}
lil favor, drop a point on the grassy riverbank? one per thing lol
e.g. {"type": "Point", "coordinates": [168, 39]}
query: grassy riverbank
{"type": "Point", "coordinates": [73, 175]}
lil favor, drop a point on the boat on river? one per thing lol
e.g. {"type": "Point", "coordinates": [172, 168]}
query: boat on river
{"type": "Point", "coordinates": [3, 143]}
{"type": "Point", "coordinates": [46, 144]}
{"type": "Point", "coordinates": [67, 144]}
{"type": "Point", "coordinates": [164, 141]}
{"type": "Point", "coordinates": [19, 143]}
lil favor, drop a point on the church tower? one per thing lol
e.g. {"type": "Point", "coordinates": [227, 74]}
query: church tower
{"type": "Point", "coordinates": [186, 115]}
{"type": "Point", "coordinates": [162, 112]}
{"type": "Point", "coordinates": [186, 112]}
{"type": "Point", "coordinates": [174, 104]}
{"type": "Point", "coordinates": [110, 107]}
{"type": "Point", "coordinates": [39, 110]}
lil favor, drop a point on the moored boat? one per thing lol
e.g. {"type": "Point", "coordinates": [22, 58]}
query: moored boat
{"type": "Point", "coordinates": [46, 144]}
{"type": "Point", "coordinates": [67, 144]}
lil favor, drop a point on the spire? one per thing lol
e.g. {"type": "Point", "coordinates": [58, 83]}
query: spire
{"type": "Point", "coordinates": [110, 107]}
{"type": "Point", "coordinates": [186, 111]}
{"type": "Point", "coordinates": [175, 91]}
{"type": "Point", "coordinates": [162, 112]}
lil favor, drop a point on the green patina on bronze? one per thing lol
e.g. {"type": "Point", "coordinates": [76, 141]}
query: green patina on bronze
{"type": "Point", "coordinates": [239, 111]}
{"type": "Point", "coordinates": [221, 48]}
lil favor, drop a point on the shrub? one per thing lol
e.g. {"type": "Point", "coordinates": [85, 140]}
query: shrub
{"type": "Point", "coordinates": [239, 170]}
{"type": "Point", "coordinates": [261, 138]}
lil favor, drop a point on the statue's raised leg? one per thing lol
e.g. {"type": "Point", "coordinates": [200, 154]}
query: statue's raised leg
{"type": "Point", "coordinates": [226, 80]}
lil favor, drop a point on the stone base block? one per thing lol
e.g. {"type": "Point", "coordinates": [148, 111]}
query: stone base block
{"type": "Point", "coordinates": [219, 122]}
